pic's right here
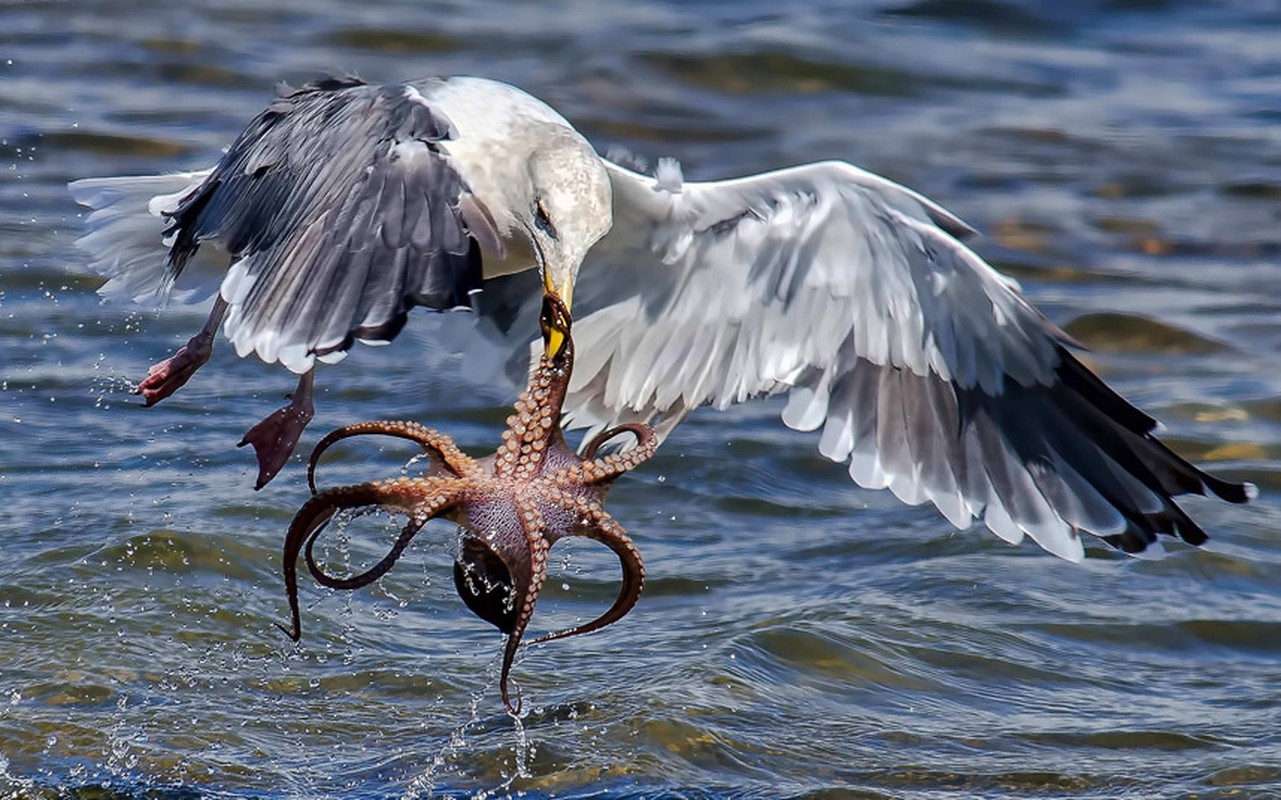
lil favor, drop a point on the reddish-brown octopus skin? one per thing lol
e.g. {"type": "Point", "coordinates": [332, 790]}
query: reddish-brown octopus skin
{"type": "Point", "coordinates": [512, 505]}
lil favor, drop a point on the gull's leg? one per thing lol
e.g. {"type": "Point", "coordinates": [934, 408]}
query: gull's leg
{"type": "Point", "coordinates": [168, 376]}
{"type": "Point", "coordinates": [275, 438]}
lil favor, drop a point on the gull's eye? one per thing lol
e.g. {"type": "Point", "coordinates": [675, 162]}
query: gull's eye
{"type": "Point", "coordinates": [542, 221]}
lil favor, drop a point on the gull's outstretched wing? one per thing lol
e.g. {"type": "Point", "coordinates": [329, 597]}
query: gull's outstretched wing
{"type": "Point", "coordinates": [342, 211]}
{"type": "Point", "coordinates": [926, 370]}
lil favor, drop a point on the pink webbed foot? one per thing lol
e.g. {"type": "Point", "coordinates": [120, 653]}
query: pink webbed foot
{"type": "Point", "coordinates": [275, 438]}
{"type": "Point", "coordinates": [168, 376]}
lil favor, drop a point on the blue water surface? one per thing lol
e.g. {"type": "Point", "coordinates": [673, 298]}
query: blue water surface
{"type": "Point", "coordinates": [799, 637]}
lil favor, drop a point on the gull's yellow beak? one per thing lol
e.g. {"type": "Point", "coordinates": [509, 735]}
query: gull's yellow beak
{"type": "Point", "coordinates": [555, 338]}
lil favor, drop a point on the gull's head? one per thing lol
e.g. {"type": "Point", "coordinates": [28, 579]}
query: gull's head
{"type": "Point", "coordinates": [569, 209]}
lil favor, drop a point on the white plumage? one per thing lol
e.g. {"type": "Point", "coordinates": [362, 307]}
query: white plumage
{"type": "Point", "coordinates": [924, 369]}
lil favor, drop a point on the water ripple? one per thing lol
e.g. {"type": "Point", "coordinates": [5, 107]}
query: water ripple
{"type": "Point", "coordinates": [799, 637]}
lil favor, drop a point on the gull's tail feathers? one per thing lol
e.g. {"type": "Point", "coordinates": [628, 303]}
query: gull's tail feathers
{"type": "Point", "coordinates": [125, 237]}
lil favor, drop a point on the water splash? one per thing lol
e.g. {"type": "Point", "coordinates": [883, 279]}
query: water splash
{"type": "Point", "coordinates": [523, 748]}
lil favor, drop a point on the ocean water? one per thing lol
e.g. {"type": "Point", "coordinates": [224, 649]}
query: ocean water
{"type": "Point", "coordinates": [799, 637]}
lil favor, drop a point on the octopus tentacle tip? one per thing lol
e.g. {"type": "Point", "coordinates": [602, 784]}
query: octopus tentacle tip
{"type": "Point", "coordinates": [513, 506]}
{"type": "Point", "coordinates": [513, 707]}
{"type": "Point", "coordinates": [294, 633]}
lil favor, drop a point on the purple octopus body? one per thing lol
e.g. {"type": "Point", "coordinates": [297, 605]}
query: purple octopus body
{"type": "Point", "coordinates": [512, 506]}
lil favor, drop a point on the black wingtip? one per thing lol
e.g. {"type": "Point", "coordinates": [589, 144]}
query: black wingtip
{"type": "Point", "coordinates": [1242, 492]}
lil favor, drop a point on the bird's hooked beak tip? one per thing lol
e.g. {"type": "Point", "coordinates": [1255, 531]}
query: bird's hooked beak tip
{"type": "Point", "coordinates": [556, 327]}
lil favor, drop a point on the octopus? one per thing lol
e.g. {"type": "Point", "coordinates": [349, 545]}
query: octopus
{"type": "Point", "coordinates": [512, 506]}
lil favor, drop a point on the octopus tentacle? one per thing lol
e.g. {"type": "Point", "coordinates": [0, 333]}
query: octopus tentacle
{"type": "Point", "coordinates": [644, 436]}
{"type": "Point", "coordinates": [531, 520]}
{"type": "Point", "coordinates": [437, 446]}
{"type": "Point", "coordinates": [593, 471]}
{"type": "Point", "coordinates": [317, 511]}
{"type": "Point", "coordinates": [533, 427]}
{"type": "Point", "coordinates": [440, 495]}
{"type": "Point", "coordinates": [616, 464]}
{"type": "Point", "coordinates": [499, 501]}
{"type": "Point", "coordinates": [599, 525]}
{"type": "Point", "coordinates": [370, 575]}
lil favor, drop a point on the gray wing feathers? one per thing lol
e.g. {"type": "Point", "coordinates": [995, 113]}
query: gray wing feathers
{"type": "Point", "coordinates": [924, 368]}
{"type": "Point", "coordinates": [817, 246]}
{"type": "Point", "coordinates": [343, 213]}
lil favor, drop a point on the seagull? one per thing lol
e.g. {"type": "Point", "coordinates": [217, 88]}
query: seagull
{"type": "Point", "coordinates": [344, 204]}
